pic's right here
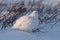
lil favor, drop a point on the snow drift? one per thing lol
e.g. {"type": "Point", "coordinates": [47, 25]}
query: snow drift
{"type": "Point", "coordinates": [17, 35]}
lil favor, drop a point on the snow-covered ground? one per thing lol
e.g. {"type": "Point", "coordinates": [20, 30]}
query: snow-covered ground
{"type": "Point", "coordinates": [49, 34]}
{"type": "Point", "coordinates": [17, 35]}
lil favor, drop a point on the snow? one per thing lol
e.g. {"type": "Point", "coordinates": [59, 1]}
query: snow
{"type": "Point", "coordinates": [28, 22]}
{"type": "Point", "coordinates": [49, 34]}
{"type": "Point", "coordinates": [17, 35]}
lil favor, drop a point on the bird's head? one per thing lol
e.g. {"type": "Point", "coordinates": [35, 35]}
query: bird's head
{"type": "Point", "coordinates": [34, 14]}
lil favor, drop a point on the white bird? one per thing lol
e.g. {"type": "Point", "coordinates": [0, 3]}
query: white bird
{"type": "Point", "coordinates": [27, 22]}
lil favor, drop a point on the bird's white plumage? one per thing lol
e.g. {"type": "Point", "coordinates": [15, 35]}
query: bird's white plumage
{"type": "Point", "coordinates": [27, 22]}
